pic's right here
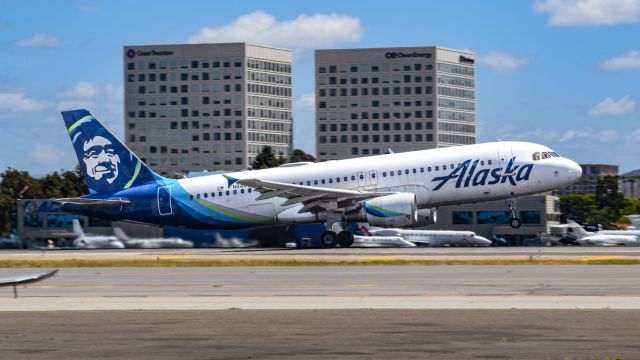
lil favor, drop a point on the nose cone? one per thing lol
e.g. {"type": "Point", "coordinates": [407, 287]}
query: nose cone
{"type": "Point", "coordinates": [574, 171]}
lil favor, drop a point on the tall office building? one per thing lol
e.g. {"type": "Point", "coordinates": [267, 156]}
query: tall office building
{"type": "Point", "coordinates": [206, 106]}
{"type": "Point", "coordinates": [403, 99]}
{"type": "Point", "coordinates": [591, 175]}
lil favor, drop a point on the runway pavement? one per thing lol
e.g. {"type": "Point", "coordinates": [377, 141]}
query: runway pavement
{"type": "Point", "coordinates": [327, 312]}
{"type": "Point", "coordinates": [333, 287]}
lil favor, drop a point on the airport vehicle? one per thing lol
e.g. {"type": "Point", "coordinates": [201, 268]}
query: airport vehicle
{"type": "Point", "coordinates": [84, 241]}
{"type": "Point", "coordinates": [431, 237]}
{"type": "Point", "coordinates": [24, 280]}
{"type": "Point", "coordinates": [150, 243]}
{"type": "Point", "coordinates": [381, 241]}
{"type": "Point", "coordinates": [393, 190]}
{"type": "Point", "coordinates": [585, 238]}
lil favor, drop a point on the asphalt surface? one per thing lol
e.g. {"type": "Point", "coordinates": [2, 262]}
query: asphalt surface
{"type": "Point", "coordinates": [554, 252]}
{"type": "Point", "coordinates": [331, 287]}
{"type": "Point", "coordinates": [322, 334]}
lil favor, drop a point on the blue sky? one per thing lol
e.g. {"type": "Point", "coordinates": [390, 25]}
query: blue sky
{"type": "Point", "coordinates": [564, 73]}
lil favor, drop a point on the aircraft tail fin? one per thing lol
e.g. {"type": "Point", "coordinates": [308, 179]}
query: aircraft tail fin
{"type": "Point", "coordinates": [120, 234]}
{"type": "Point", "coordinates": [77, 228]}
{"type": "Point", "coordinates": [107, 164]}
{"type": "Point", "coordinates": [578, 230]}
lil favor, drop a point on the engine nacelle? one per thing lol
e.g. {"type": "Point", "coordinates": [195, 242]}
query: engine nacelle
{"type": "Point", "coordinates": [395, 210]}
{"type": "Point", "coordinates": [427, 217]}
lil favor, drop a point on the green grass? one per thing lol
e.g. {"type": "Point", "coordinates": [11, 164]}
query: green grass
{"type": "Point", "coordinates": [76, 263]}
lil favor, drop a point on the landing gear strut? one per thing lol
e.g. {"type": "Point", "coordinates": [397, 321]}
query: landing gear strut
{"type": "Point", "coordinates": [511, 204]}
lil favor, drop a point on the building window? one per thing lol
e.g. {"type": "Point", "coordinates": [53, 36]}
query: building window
{"type": "Point", "coordinates": [462, 217]}
{"type": "Point", "coordinates": [493, 217]}
{"type": "Point", "coordinates": [531, 217]}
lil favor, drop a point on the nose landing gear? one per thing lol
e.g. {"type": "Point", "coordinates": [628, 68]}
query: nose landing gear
{"type": "Point", "coordinates": [511, 204]}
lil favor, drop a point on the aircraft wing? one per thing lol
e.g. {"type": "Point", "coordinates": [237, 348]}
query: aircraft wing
{"type": "Point", "coordinates": [312, 198]}
{"type": "Point", "coordinates": [26, 279]}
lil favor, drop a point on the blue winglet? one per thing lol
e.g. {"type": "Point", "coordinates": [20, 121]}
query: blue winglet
{"type": "Point", "coordinates": [230, 180]}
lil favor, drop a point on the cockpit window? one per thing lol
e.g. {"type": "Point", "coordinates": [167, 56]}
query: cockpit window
{"type": "Point", "coordinates": [544, 155]}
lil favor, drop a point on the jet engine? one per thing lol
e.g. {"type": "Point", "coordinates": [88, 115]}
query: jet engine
{"type": "Point", "coordinates": [395, 210]}
{"type": "Point", "coordinates": [427, 217]}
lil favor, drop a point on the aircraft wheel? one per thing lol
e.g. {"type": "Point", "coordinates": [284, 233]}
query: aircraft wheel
{"type": "Point", "coordinates": [515, 223]}
{"type": "Point", "coordinates": [329, 239]}
{"type": "Point", "coordinates": [345, 239]}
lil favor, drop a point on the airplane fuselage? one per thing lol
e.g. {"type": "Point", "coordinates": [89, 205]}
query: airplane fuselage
{"type": "Point", "coordinates": [437, 177]}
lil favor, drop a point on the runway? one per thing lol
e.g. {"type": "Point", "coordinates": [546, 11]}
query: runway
{"type": "Point", "coordinates": [332, 287]}
{"type": "Point", "coordinates": [326, 312]}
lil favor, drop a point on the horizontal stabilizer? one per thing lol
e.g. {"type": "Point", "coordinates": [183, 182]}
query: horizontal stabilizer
{"type": "Point", "coordinates": [26, 279]}
{"type": "Point", "coordinates": [93, 202]}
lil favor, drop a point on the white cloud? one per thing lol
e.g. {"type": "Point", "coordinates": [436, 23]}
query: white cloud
{"type": "Point", "coordinates": [305, 31]}
{"type": "Point", "coordinates": [572, 134]}
{"type": "Point", "coordinates": [627, 61]}
{"type": "Point", "coordinates": [589, 12]}
{"type": "Point", "coordinates": [609, 106]}
{"type": "Point", "coordinates": [306, 102]}
{"type": "Point", "coordinates": [45, 154]}
{"type": "Point", "coordinates": [19, 102]}
{"type": "Point", "coordinates": [607, 135]}
{"type": "Point", "coordinates": [503, 62]}
{"type": "Point", "coordinates": [39, 40]}
{"type": "Point", "coordinates": [81, 90]}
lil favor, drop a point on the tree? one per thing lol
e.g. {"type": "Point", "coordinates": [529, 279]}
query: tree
{"type": "Point", "coordinates": [609, 197]}
{"type": "Point", "coordinates": [298, 156]}
{"type": "Point", "coordinates": [577, 207]}
{"type": "Point", "coordinates": [267, 159]}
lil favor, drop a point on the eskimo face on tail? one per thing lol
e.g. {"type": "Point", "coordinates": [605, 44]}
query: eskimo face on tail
{"type": "Point", "coordinates": [100, 159]}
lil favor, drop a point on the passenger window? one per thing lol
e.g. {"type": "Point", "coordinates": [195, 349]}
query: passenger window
{"type": "Point", "coordinates": [384, 174]}
{"type": "Point", "coordinates": [451, 166]}
{"type": "Point", "coordinates": [415, 171]}
{"type": "Point", "coordinates": [213, 194]}
{"type": "Point", "coordinates": [391, 173]}
{"type": "Point", "coordinates": [241, 191]}
{"type": "Point", "coordinates": [346, 179]}
{"type": "Point", "coordinates": [315, 182]}
{"type": "Point", "coordinates": [437, 168]}
{"type": "Point", "coordinates": [406, 171]}
{"type": "Point", "coordinates": [421, 170]}
{"type": "Point", "coordinates": [353, 178]}
{"type": "Point", "coordinates": [227, 192]}
{"type": "Point", "coordinates": [399, 172]}
{"type": "Point", "coordinates": [249, 190]}
{"type": "Point", "coordinates": [338, 179]}
{"type": "Point", "coordinates": [235, 192]}
{"type": "Point", "coordinates": [489, 162]}
{"type": "Point", "coordinates": [361, 177]}
{"type": "Point", "coordinates": [198, 196]}
{"type": "Point", "coordinates": [308, 182]}
{"type": "Point", "coordinates": [482, 163]}
{"type": "Point", "coordinates": [322, 181]}
{"type": "Point", "coordinates": [331, 181]}
{"type": "Point", "coordinates": [206, 195]}
{"type": "Point", "coordinates": [429, 169]}
{"type": "Point", "coordinates": [220, 193]}
{"type": "Point", "coordinates": [373, 175]}
{"type": "Point", "coordinates": [190, 197]}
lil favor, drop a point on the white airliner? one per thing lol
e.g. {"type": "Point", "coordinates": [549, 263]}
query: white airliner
{"type": "Point", "coordinates": [381, 241]}
{"type": "Point", "coordinates": [393, 190]}
{"type": "Point", "coordinates": [84, 241]}
{"type": "Point", "coordinates": [150, 243]}
{"type": "Point", "coordinates": [432, 238]}
{"type": "Point", "coordinates": [583, 237]}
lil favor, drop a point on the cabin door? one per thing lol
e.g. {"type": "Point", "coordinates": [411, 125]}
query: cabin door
{"type": "Point", "coordinates": [164, 200]}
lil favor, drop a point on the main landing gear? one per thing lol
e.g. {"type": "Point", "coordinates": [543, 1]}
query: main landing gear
{"type": "Point", "coordinates": [336, 236]}
{"type": "Point", "coordinates": [329, 239]}
{"type": "Point", "coordinates": [511, 204]}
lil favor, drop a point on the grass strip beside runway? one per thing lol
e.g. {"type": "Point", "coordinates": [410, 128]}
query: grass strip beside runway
{"type": "Point", "coordinates": [79, 263]}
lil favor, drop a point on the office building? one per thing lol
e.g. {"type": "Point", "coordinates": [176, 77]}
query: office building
{"type": "Point", "coordinates": [206, 106]}
{"type": "Point", "coordinates": [588, 182]}
{"type": "Point", "coordinates": [403, 99]}
{"type": "Point", "coordinates": [630, 184]}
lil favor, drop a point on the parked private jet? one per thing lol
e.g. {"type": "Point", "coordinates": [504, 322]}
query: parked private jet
{"type": "Point", "coordinates": [393, 190]}
{"type": "Point", "coordinates": [433, 238]}
{"type": "Point", "coordinates": [583, 237]}
{"type": "Point", "coordinates": [150, 243]}
{"type": "Point", "coordinates": [84, 241]}
{"type": "Point", "coordinates": [381, 241]}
